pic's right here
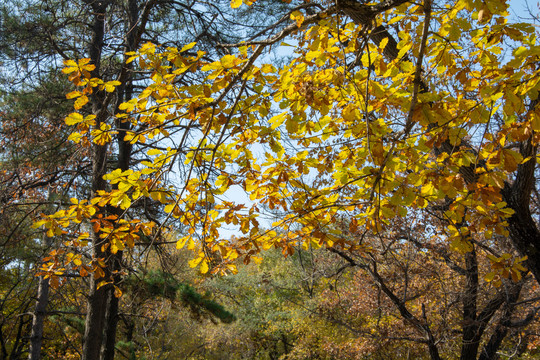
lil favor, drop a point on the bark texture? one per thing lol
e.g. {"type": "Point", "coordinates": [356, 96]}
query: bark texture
{"type": "Point", "coordinates": [96, 305]}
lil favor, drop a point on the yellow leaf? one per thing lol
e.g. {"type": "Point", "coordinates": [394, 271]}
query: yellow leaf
{"type": "Point", "coordinates": [131, 58]}
{"type": "Point", "coordinates": [70, 63]}
{"type": "Point", "coordinates": [377, 151]}
{"type": "Point", "coordinates": [236, 3]}
{"type": "Point", "coordinates": [83, 62]}
{"type": "Point", "coordinates": [102, 135]}
{"type": "Point", "coordinates": [39, 223]}
{"type": "Point", "coordinates": [228, 61]}
{"type": "Point", "coordinates": [169, 208]}
{"type": "Point", "coordinates": [428, 189]}
{"type": "Point", "coordinates": [148, 49]}
{"type": "Point", "coordinates": [182, 242]}
{"type": "Point", "coordinates": [267, 68]}
{"type": "Point", "coordinates": [125, 203]}
{"type": "Point", "coordinates": [74, 118]}
{"type": "Point", "coordinates": [101, 283]}
{"type": "Point", "coordinates": [461, 245]}
{"type": "Point", "coordinates": [128, 106]}
{"type": "Point", "coordinates": [75, 137]}
{"type": "Point", "coordinates": [152, 152]}
{"type": "Point", "coordinates": [298, 17]}
{"type": "Point", "coordinates": [70, 69]}
{"type": "Point", "coordinates": [73, 94]}
{"type": "Point", "coordinates": [383, 43]}
{"type": "Point", "coordinates": [193, 263]}
{"type": "Point", "coordinates": [111, 85]}
{"type": "Point", "coordinates": [535, 121]}
{"type": "Point", "coordinates": [80, 102]}
{"type": "Point", "coordinates": [490, 276]}
{"type": "Point", "coordinates": [204, 267]}
{"type": "Point", "coordinates": [511, 160]}
{"type": "Point", "coordinates": [190, 45]}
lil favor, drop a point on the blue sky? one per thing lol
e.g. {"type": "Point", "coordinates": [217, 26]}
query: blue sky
{"type": "Point", "coordinates": [519, 8]}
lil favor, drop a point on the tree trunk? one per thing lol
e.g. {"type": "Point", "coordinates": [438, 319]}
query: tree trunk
{"type": "Point", "coordinates": [38, 318]}
{"type": "Point", "coordinates": [492, 346]}
{"type": "Point", "coordinates": [36, 335]}
{"type": "Point", "coordinates": [470, 340]}
{"type": "Point", "coordinates": [96, 306]}
{"type": "Point", "coordinates": [111, 322]}
{"type": "Point", "coordinates": [137, 19]}
{"type": "Point", "coordinates": [124, 92]}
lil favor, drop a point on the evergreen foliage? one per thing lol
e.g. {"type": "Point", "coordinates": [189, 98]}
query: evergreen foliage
{"type": "Point", "coordinates": [202, 304]}
{"type": "Point", "coordinates": [159, 283]}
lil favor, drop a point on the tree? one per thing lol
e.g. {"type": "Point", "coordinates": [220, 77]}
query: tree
{"type": "Point", "coordinates": [36, 37]}
{"type": "Point", "coordinates": [35, 163]}
{"type": "Point", "coordinates": [443, 295]}
{"type": "Point", "coordinates": [439, 118]}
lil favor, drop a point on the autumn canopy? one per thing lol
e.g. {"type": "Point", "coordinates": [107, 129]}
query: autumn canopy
{"type": "Point", "coordinates": [343, 123]}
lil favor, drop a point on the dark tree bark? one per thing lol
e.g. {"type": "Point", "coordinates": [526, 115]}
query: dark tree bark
{"type": "Point", "coordinates": [489, 352]}
{"type": "Point", "coordinates": [137, 20]}
{"type": "Point", "coordinates": [470, 340]}
{"type": "Point", "coordinates": [96, 305]}
{"type": "Point", "coordinates": [36, 335]}
{"type": "Point", "coordinates": [523, 230]}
